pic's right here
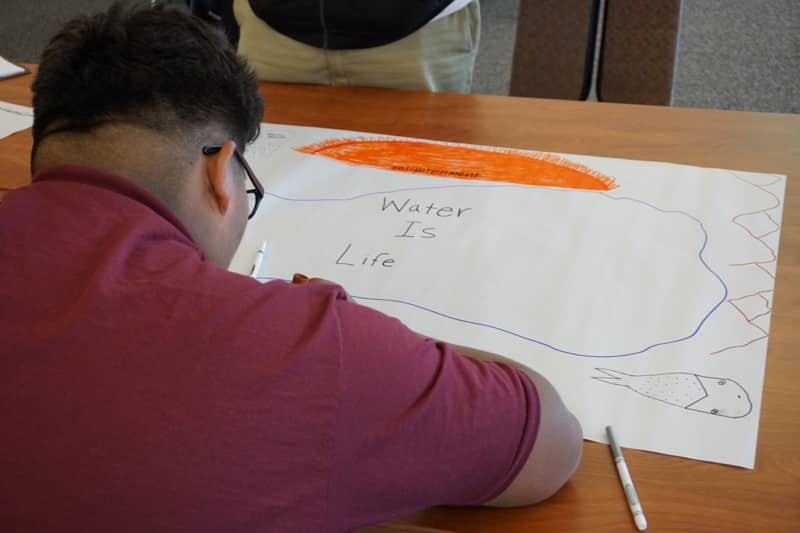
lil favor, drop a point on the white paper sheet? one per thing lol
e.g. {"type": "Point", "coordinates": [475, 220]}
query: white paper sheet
{"type": "Point", "coordinates": [646, 305]}
{"type": "Point", "coordinates": [9, 69]}
{"type": "Point", "coordinates": [14, 118]}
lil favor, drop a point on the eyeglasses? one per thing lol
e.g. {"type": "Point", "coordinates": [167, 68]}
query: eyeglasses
{"type": "Point", "coordinates": [255, 194]}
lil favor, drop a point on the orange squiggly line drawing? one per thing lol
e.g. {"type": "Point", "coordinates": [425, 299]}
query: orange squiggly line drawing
{"type": "Point", "coordinates": [463, 162]}
{"type": "Point", "coordinates": [750, 320]}
{"type": "Point", "coordinates": [758, 264]}
{"type": "Point", "coordinates": [760, 238]}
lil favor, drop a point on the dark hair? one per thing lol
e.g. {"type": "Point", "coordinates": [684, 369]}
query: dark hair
{"type": "Point", "coordinates": [155, 66]}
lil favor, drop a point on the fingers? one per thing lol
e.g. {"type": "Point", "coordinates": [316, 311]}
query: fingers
{"type": "Point", "coordinates": [299, 279]}
{"type": "Point", "coordinates": [302, 279]}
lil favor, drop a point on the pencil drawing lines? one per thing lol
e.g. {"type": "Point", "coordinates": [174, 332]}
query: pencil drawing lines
{"type": "Point", "coordinates": [693, 392]}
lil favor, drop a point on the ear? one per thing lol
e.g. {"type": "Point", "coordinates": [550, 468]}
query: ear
{"type": "Point", "coordinates": [220, 181]}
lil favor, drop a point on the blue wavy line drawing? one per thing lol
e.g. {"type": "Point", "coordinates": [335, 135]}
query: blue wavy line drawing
{"type": "Point", "coordinates": [516, 334]}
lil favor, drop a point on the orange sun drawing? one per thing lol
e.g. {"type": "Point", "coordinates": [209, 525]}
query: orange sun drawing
{"type": "Point", "coordinates": [462, 162]}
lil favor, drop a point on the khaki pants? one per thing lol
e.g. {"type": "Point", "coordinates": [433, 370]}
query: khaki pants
{"type": "Point", "coordinates": [440, 56]}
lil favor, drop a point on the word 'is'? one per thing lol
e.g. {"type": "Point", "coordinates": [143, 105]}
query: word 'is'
{"type": "Point", "coordinates": [385, 259]}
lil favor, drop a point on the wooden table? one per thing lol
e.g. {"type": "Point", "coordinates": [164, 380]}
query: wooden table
{"type": "Point", "coordinates": [678, 494]}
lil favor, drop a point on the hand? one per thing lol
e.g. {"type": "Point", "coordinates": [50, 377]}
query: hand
{"type": "Point", "coordinates": [302, 279]}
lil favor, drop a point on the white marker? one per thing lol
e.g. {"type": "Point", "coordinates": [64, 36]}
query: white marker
{"type": "Point", "coordinates": [259, 259]}
{"type": "Point", "coordinates": [627, 482]}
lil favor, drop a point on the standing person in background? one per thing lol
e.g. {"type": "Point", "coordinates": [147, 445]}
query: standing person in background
{"type": "Point", "coordinates": [402, 44]}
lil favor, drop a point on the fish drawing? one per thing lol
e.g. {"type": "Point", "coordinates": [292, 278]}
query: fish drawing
{"type": "Point", "coordinates": [715, 396]}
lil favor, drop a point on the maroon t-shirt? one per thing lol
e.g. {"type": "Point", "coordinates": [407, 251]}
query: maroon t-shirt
{"type": "Point", "coordinates": [143, 388]}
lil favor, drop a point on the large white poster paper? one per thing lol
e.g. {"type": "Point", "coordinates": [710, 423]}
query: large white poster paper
{"type": "Point", "coordinates": [642, 290]}
{"type": "Point", "coordinates": [14, 118]}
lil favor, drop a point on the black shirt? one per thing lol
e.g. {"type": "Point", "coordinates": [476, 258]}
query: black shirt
{"type": "Point", "coordinates": [347, 24]}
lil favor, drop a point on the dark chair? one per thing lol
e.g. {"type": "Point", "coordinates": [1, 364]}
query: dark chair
{"type": "Point", "coordinates": [555, 48]}
{"type": "Point", "coordinates": [640, 41]}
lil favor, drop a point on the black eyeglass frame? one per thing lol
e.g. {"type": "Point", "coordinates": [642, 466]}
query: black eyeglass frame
{"type": "Point", "coordinates": [257, 190]}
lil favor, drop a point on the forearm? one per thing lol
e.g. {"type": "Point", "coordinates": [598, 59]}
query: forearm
{"type": "Point", "coordinates": [559, 443]}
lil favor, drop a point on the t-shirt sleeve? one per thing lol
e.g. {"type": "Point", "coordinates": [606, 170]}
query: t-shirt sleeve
{"type": "Point", "coordinates": [420, 425]}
